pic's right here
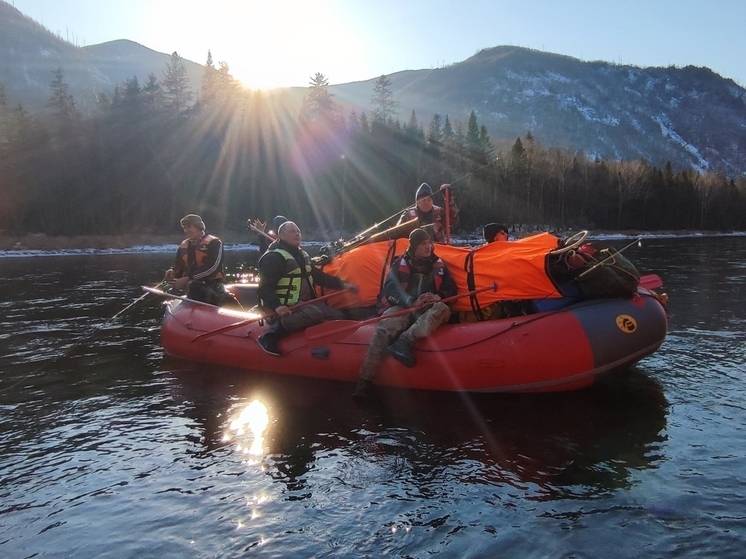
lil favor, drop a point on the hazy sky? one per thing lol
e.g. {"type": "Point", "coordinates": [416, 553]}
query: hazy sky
{"type": "Point", "coordinates": [278, 43]}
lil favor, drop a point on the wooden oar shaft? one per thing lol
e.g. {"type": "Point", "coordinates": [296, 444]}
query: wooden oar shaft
{"type": "Point", "coordinates": [184, 298]}
{"type": "Point", "coordinates": [402, 312]}
{"type": "Point", "coordinates": [133, 303]}
{"type": "Point", "coordinates": [251, 320]}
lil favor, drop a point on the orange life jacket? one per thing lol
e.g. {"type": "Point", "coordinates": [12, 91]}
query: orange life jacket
{"type": "Point", "coordinates": [200, 255]}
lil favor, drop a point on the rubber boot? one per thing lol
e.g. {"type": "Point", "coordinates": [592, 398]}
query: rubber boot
{"type": "Point", "coordinates": [401, 350]}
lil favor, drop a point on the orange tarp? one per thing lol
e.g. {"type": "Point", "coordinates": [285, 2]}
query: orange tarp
{"type": "Point", "coordinates": [516, 266]}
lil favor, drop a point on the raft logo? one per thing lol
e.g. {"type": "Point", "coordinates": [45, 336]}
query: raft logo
{"type": "Point", "coordinates": [626, 323]}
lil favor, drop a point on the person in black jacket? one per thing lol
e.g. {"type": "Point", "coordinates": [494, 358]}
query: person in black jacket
{"type": "Point", "coordinates": [198, 267]}
{"type": "Point", "coordinates": [287, 277]}
{"type": "Point", "coordinates": [417, 278]}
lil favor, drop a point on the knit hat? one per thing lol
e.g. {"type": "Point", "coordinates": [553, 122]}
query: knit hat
{"type": "Point", "coordinates": [491, 230]}
{"type": "Point", "coordinates": [193, 219]}
{"type": "Point", "coordinates": [277, 221]}
{"type": "Point", "coordinates": [423, 191]}
{"type": "Point", "coordinates": [416, 238]}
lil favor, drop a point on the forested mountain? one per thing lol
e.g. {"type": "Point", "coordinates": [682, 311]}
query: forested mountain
{"type": "Point", "coordinates": [690, 116]}
{"type": "Point", "coordinates": [151, 154]}
{"type": "Point", "coordinates": [29, 54]}
{"type": "Point", "coordinates": [340, 157]}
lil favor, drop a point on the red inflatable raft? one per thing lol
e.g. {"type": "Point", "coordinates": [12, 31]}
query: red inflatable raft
{"type": "Point", "coordinates": [559, 350]}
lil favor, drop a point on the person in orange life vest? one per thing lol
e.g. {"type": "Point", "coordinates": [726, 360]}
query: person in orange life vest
{"type": "Point", "coordinates": [286, 277]}
{"type": "Point", "coordinates": [198, 268]}
{"type": "Point", "coordinates": [495, 232]}
{"type": "Point", "coordinates": [419, 278]}
{"type": "Point", "coordinates": [428, 215]}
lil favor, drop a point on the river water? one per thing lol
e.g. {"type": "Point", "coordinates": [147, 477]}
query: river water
{"type": "Point", "coordinates": [117, 451]}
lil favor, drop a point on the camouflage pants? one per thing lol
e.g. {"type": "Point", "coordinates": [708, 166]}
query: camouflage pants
{"type": "Point", "coordinates": [309, 315]}
{"type": "Point", "coordinates": [410, 326]}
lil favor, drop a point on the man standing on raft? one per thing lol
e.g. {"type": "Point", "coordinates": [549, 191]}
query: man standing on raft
{"type": "Point", "coordinates": [417, 278]}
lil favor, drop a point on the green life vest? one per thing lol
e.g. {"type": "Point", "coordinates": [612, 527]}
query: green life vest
{"type": "Point", "coordinates": [289, 287]}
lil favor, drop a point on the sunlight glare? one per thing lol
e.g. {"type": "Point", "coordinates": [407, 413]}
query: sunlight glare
{"type": "Point", "coordinates": [281, 43]}
{"type": "Point", "coordinates": [250, 423]}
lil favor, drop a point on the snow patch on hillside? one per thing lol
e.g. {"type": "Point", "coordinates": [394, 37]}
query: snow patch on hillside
{"type": "Point", "coordinates": [589, 113]}
{"type": "Point", "coordinates": [667, 131]}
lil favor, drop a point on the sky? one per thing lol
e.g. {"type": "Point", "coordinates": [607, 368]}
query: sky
{"type": "Point", "coordinates": [276, 43]}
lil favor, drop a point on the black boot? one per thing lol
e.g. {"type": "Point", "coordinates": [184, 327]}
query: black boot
{"type": "Point", "coordinates": [270, 343]}
{"type": "Point", "coordinates": [401, 350]}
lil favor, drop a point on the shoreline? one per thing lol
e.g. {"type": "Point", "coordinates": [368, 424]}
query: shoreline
{"type": "Point", "coordinates": [44, 245]}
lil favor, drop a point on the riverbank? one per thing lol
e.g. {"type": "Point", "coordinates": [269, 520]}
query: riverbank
{"type": "Point", "coordinates": [38, 244]}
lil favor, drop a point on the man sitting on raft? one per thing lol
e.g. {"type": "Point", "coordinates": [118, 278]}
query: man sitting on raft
{"type": "Point", "coordinates": [198, 268]}
{"type": "Point", "coordinates": [287, 277]}
{"type": "Point", "coordinates": [417, 278]}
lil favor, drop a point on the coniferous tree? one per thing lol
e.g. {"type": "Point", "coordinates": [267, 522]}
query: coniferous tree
{"type": "Point", "coordinates": [226, 84]}
{"type": "Point", "coordinates": [473, 142]}
{"type": "Point", "coordinates": [435, 133]}
{"type": "Point", "coordinates": [485, 142]}
{"type": "Point", "coordinates": [383, 103]}
{"type": "Point", "coordinates": [319, 105]}
{"type": "Point", "coordinates": [447, 130]}
{"type": "Point", "coordinates": [209, 79]}
{"type": "Point", "coordinates": [364, 124]}
{"type": "Point", "coordinates": [176, 90]}
{"type": "Point", "coordinates": [152, 93]}
{"type": "Point", "coordinates": [412, 126]}
{"type": "Point", "coordinates": [131, 99]}
{"type": "Point", "coordinates": [61, 102]}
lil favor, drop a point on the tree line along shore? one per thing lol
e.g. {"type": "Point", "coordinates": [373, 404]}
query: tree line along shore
{"type": "Point", "coordinates": [153, 151]}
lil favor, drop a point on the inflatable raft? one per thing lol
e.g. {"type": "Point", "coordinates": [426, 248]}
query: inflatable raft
{"type": "Point", "coordinates": [565, 349]}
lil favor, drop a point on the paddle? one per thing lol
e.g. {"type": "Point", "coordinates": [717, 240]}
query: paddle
{"type": "Point", "coordinates": [240, 323]}
{"type": "Point", "coordinates": [368, 236]}
{"type": "Point", "coordinates": [164, 295]}
{"type": "Point", "coordinates": [408, 310]}
{"type": "Point", "coordinates": [140, 298]}
{"type": "Point", "coordinates": [651, 281]}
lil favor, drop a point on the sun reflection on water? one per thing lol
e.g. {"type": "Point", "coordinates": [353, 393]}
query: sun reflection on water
{"type": "Point", "coordinates": [247, 429]}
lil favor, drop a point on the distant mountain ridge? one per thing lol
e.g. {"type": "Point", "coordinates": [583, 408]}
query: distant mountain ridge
{"type": "Point", "coordinates": [690, 116]}
{"type": "Point", "coordinates": [29, 53]}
